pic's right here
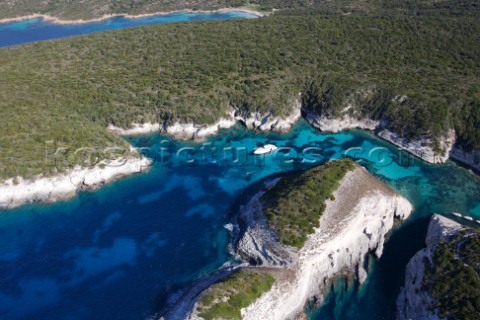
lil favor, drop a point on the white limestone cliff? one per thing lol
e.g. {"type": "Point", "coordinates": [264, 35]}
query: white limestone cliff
{"type": "Point", "coordinates": [253, 121]}
{"type": "Point", "coordinates": [345, 122]}
{"type": "Point", "coordinates": [186, 131]}
{"type": "Point", "coordinates": [422, 147]}
{"type": "Point", "coordinates": [413, 302]}
{"type": "Point", "coordinates": [259, 244]}
{"type": "Point", "coordinates": [354, 224]}
{"type": "Point", "coordinates": [268, 122]}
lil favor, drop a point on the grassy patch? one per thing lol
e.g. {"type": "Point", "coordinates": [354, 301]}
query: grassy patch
{"type": "Point", "coordinates": [224, 300]}
{"type": "Point", "coordinates": [294, 205]}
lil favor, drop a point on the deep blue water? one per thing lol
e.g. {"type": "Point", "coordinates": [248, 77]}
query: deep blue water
{"type": "Point", "coordinates": [120, 252]}
{"type": "Point", "coordinates": [36, 29]}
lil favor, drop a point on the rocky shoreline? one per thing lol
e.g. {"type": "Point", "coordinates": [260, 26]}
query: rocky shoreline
{"type": "Point", "coordinates": [420, 148]}
{"type": "Point", "coordinates": [16, 192]}
{"type": "Point", "coordinates": [413, 301]}
{"type": "Point", "coordinates": [252, 121]}
{"type": "Point", "coordinates": [197, 132]}
{"type": "Point", "coordinates": [352, 226]}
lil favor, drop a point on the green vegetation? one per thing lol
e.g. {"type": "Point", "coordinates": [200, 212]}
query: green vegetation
{"type": "Point", "coordinates": [468, 126]}
{"type": "Point", "coordinates": [294, 205]}
{"type": "Point", "coordinates": [453, 278]}
{"type": "Point", "coordinates": [419, 72]}
{"type": "Point", "coordinates": [224, 300]}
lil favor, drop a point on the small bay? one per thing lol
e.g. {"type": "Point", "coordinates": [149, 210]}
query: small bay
{"type": "Point", "coordinates": [123, 251]}
{"type": "Point", "coordinates": [37, 29]}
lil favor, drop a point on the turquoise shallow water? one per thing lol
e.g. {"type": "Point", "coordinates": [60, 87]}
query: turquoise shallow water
{"type": "Point", "coordinates": [25, 31]}
{"type": "Point", "coordinates": [122, 251]}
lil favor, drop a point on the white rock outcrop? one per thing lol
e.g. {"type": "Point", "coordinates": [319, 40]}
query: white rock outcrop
{"type": "Point", "coordinates": [135, 129]}
{"type": "Point", "coordinates": [352, 226]}
{"type": "Point", "coordinates": [15, 192]}
{"type": "Point", "coordinates": [186, 131]}
{"type": "Point", "coordinates": [268, 122]}
{"type": "Point", "coordinates": [413, 302]}
{"type": "Point", "coordinates": [197, 132]}
{"type": "Point", "coordinates": [346, 122]}
{"type": "Point", "coordinates": [259, 244]}
{"type": "Point", "coordinates": [422, 147]}
{"type": "Point", "coordinates": [471, 159]}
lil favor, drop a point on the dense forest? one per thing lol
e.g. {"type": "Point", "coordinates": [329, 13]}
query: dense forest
{"type": "Point", "coordinates": [420, 72]}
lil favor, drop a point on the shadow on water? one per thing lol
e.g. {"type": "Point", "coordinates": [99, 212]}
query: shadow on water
{"type": "Point", "coordinates": [377, 297]}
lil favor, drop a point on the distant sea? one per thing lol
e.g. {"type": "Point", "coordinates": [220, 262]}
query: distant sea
{"type": "Point", "coordinates": [124, 251]}
{"type": "Point", "coordinates": [32, 30]}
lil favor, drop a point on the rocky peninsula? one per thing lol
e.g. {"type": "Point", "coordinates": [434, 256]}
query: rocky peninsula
{"type": "Point", "coordinates": [354, 213]}
{"type": "Point", "coordinates": [18, 191]}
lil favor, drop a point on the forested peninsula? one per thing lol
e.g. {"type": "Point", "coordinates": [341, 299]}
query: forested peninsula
{"type": "Point", "coordinates": [414, 68]}
{"type": "Point", "coordinates": [295, 236]}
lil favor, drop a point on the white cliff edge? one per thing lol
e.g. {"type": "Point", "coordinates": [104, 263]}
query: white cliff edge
{"type": "Point", "coordinates": [422, 147]}
{"type": "Point", "coordinates": [253, 121]}
{"type": "Point", "coordinates": [268, 122]}
{"type": "Point", "coordinates": [413, 302]}
{"type": "Point", "coordinates": [15, 192]}
{"type": "Point", "coordinates": [186, 131]}
{"type": "Point", "coordinates": [353, 225]}
{"type": "Point", "coordinates": [346, 122]}
{"type": "Point", "coordinates": [471, 159]}
{"type": "Point", "coordinates": [340, 243]}
{"type": "Point", "coordinates": [135, 129]}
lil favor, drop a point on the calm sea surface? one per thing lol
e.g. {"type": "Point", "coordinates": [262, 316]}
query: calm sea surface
{"type": "Point", "coordinates": [122, 251]}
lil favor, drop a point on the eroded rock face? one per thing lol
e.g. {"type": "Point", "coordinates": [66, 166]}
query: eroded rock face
{"type": "Point", "coordinates": [251, 120]}
{"type": "Point", "coordinates": [259, 245]}
{"type": "Point", "coordinates": [346, 122]}
{"type": "Point", "coordinates": [413, 301]}
{"type": "Point", "coordinates": [353, 225]}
